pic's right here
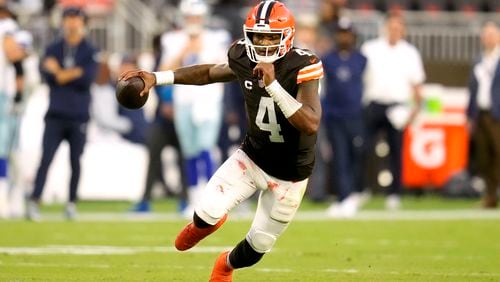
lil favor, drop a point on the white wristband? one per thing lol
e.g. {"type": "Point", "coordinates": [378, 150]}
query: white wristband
{"type": "Point", "coordinates": [164, 77]}
{"type": "Point", "coordinates": [285, 101]}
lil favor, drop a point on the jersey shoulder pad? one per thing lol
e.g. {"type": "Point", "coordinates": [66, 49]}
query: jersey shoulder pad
{"type": "Point", "coordinates": [237, 50]}
{"type": "Point", "coordinates": [308, 65]}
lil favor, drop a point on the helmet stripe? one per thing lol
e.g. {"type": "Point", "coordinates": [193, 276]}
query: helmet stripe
{"type": "Point", "coordinates": [259, 12]}
{"type": "Point", "coordinates": [264, 11]}
{"type": "Point", "coordinates": [268, 12]}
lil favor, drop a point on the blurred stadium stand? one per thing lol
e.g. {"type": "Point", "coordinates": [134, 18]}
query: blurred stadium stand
{"type": "Point", "coordinates": [115, 26]}
{"type": "Point", "coordinates": [445, 32]}
{"type": "Point", "coordinates": [432, 6]}
{"type": "Point", "coordinates": [362, 5]}
{"type": "Point", "coordinates": [426, 5]}
{"type": "Point", "coordinates": [398, 5]}
{"type": "Point", "coordinates": [448, 41]}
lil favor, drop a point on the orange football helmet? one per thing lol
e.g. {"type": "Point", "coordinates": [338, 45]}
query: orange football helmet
{"type": "Point", "coordinates": [269, 17]}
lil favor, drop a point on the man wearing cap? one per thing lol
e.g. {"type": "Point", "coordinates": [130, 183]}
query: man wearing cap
{"type": "Point", "coordinates": [69, 66]}
{"type": "Point", "coordinates": [343, 116]}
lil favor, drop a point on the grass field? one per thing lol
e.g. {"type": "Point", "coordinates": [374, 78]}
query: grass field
{"type": "Point", "coordinates": [376, 246]}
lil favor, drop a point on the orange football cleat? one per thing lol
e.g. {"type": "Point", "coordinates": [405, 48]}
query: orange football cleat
{"type": "Point", "coordinates": [191, 234]}
{"type": "Point", "coordinates": [222, 272]}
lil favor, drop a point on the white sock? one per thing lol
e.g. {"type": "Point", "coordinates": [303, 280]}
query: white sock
{"type": "Point", "coordinates": [4, 198]}
{"type": "Point", "coordinates": [193, 195]}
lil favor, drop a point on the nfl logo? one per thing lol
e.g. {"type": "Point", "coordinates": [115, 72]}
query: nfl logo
{"type": "Point", "coordinates": [261, 83]}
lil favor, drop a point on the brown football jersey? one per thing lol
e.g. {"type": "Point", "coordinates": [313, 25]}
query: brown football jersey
{"type": "Point", "coordinates": [271, 141]}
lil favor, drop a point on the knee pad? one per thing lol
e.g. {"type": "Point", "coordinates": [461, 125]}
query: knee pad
{"type": "Point", "coordinates": [261, 241]}
{"type": "Point", "coordinates": [286, 206]}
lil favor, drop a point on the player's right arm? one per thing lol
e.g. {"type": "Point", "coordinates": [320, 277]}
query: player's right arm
{"type": "Point", "coordinates": [15, 54]}
{"type": "Point", "coordinates": [192, 75]}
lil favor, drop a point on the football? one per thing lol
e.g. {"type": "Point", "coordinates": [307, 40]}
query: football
{"type": "Point", "coordinates": [127, 93]}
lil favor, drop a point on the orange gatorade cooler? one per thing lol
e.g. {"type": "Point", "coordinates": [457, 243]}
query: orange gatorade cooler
{"type": "Point", "coordinates": [436, 146]}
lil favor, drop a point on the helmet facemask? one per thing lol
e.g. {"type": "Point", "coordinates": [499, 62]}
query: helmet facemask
{"type": "Point", "coordinates": [267, 53]}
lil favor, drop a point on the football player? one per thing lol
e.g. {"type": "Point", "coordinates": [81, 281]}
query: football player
{"type": "Point", "coordinates": [280, 84]}
{"type": "Point", "coordinates": [14, 46]}
{"type": "Point", "coordinates": [197, 109]}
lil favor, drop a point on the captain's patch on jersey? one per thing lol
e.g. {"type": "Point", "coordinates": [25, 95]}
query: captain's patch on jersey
{"type": "Point", "coordinates": [310, 72]}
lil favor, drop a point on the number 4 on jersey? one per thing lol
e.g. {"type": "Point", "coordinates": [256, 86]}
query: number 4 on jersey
{"type": "Point", "coordinates": [266, 104]}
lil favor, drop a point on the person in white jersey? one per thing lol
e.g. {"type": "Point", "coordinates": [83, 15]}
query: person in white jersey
{"type": "Point", "coordinates": [13, 49]}
{"type": "Point", "coordinates": [197, 109]}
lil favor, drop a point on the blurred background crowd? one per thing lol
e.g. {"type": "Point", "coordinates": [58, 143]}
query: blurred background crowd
{"type": "Point", "coordinates": [398, 114]}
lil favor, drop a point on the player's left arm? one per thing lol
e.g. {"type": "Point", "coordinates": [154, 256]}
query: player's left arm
{"type": "Point", "coordinates": [15, 54]}
{"type": "Point", "coordinates": [308, 116]}
{"type": "Point", "coordinates": [304, 111]}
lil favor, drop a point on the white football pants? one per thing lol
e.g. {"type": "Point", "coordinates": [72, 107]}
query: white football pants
{"type": "Point", "coordinates": [238, 179]}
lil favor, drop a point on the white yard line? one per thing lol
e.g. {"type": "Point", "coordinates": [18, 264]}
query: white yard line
{"type": "Point", "coordinates": [274, 269]}
{"type": "Point", "coordinates": [116, 250]}
{"type": "Point", "coordinates": [55, 265]}
{"type": "Point", "coordinates": [408, 215]}
{"type": "Point", "coordinates": [100, 250]}
{"type": "Point", "coordinates": [399, 273]}
{"type": "Point", "coordinates": [352, 271]}
{"type": "Point", "coordinates": [382, 215]}
{"type": "Point", "coordinates": [349, 270]}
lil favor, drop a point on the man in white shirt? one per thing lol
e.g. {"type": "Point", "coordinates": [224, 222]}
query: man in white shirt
{"type": "Point", "coordinates": [484, 112]}
{"type": "Point", "coordinates": [393, 80]}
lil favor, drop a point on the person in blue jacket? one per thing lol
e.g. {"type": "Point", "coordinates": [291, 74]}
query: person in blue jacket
{"type": "Point", "coordinates": [69, 67]}
{"type": "Point", "coordinates": [343, 117]}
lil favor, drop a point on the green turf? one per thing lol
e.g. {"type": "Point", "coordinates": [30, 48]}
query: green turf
{"type": "Point", "coordinates": [437, 250]}
{"type": "Point", "coordinates": [459, 250]}
{"type": "Point", "coordinates": [376, 203]}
